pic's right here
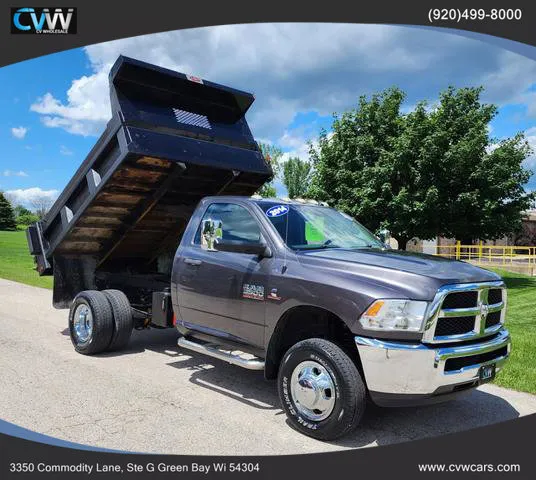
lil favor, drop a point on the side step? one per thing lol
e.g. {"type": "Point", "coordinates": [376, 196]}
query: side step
{"type": "Point", "coordinates": [212, 350]}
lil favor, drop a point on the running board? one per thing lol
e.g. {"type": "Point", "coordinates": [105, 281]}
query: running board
{"type": "Point", "coordinates": [212, 350]}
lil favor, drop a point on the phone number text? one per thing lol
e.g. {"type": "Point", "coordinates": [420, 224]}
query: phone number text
{"type": "Point", "coordinates": [465, 14]}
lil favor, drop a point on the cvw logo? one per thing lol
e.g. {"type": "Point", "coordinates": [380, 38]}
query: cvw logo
{"type": "Point", "coordinates": [52, 20]}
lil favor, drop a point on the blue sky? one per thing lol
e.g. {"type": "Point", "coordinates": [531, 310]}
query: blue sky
{"type": "Point", "coordinates": [54, 107]}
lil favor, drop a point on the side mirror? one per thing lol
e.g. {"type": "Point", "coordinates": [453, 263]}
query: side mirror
{"type": "Point", "coordinates": [260, 249]}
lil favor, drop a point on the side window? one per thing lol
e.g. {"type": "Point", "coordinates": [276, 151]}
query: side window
{"type": "Point", "coordinates": [231, 221]}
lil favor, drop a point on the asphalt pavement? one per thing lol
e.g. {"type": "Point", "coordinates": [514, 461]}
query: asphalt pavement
{"type": "Point", "coordinates": [152, 397]}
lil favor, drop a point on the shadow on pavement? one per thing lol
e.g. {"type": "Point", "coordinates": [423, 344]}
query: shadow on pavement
{"type": "Point", "coordinates": [159, 340]}
{"type": "Point", "coordinates": [380, 426]}
{"type": "Point", "coordinates": [392, 425]}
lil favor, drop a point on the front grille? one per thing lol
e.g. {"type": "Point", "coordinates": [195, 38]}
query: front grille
{"type": "Point", "coordinates": [454, 326]}
{"type": "Point", "coordinates": [461, 300]}
{"type": "Point", "coordinates": [462, 312]}
{"type": "Point", "coordinates": [494, 296]}
{"type": "Point", "coordinates": [493, 319]}
{"type": "Point", "coordinates": [453, 364]}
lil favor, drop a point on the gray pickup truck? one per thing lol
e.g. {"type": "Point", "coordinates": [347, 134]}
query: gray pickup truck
{"type": "Point", "coordinates": [159, 228]}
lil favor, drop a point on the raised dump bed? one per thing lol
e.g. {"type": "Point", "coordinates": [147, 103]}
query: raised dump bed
{"type": "Point", "coordinates": [172, 140]}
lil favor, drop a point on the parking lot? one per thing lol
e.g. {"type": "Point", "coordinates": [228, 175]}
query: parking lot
{"type": "Point", "coordinates": [153, 398]}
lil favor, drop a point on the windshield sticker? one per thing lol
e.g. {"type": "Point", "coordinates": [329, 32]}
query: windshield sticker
{"type": "Point", "coordinates": [315, 233]}
{"type": "Point", "coordinates": [277, 211]}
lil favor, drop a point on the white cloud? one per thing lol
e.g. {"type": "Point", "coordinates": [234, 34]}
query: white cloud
{"type": "Point", "coordinates": [11, 173]}
{"type": "Point", "coordinates": [530, 100]}
{"type": "Point", "coordinates": [65, 150]}
{"type": "Point", "coordinates": [299, 67]}
{"type": "Point", "coordinates": [511, 81]}
{"type": "Point", "coordinates": [530, 135]}
{"type": "Point", "coordinates": [26, 196]}
{"type": "Point", "coordinates": [87, 108]}
{"type": "Point", "coordinates": [19, 132]}
{"type": "Point", "coordinates": [296, 143]}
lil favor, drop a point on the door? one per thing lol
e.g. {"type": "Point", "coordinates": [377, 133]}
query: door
{"type": "Point", "coordinates": [223, 293]}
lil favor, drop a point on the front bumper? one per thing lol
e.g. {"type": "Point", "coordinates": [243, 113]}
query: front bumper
{"type": "Point", "coordinates": [400, 373]}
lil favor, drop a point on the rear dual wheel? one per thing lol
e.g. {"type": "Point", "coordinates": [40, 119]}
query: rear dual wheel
{"type": "Point", "coordinates": [100, 321]}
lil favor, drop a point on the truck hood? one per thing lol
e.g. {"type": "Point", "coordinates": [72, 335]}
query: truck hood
{"type": "Point", "coordinates": [442, 269]}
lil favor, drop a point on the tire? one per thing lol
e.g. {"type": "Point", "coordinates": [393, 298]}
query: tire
{"type": "Point", "coordinates": [94, 306]}
{"type": "Point", "coordinates": [122, 315]}
{"type": "Point", "coordinates": [336, 382]}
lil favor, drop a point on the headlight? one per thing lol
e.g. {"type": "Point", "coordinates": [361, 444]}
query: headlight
{"type": "Point", "coordinates": [407, 315]}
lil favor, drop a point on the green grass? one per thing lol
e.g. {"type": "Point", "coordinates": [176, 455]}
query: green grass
{"type": "Point", "coordinates": [16, 263]}
{"type": "Point", "coordinates": [520, 371]}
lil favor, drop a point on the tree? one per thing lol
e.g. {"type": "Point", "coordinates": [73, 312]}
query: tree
{"type": "Point", "coordinates": [273, 155]}
{"type": "Point", "coordinates": [431, 172]}
{"type": "Point", "coordinates": [26, 219]}
{"type": "Point", "coordinates": [11, 198]}
{"type": "Point", "coordinates": [41, 204]}
{"type": "Point", "coordinates": [296, 177]}
{"type": "Point", "coordinates": [19, 210]}
{"type": "Point", "coordinates": [479, 181]}
{"type": "Point", "coordinates": [526, 236]}
{"type": "Point", "coordinates": [267, 190]}
{"type": "Point", "coordinates": [7, 217]}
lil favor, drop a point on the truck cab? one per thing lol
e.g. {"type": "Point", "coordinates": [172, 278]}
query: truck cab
{"type": "Point", "coordinates": [159, 228]}
{"type": "Point", "coordinates": [263, 275]}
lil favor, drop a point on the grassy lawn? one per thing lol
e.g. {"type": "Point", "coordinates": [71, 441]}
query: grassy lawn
{"type": "Point", "coordinates": [16, 263]}
{"type": "Point", "coordinates": [520, 372]}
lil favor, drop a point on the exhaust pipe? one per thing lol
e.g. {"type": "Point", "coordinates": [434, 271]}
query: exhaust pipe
{"type": "Point", "coordinates": [212, 351]}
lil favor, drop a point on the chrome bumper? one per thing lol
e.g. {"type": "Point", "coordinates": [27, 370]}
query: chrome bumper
{"type": "Point", "coordinates": [419, 369]}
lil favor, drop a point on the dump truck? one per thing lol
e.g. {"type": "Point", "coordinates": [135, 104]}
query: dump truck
{"type": "Point", "coordinates": [160, 227]}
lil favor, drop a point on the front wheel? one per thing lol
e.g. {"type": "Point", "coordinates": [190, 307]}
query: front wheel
{"type": "Point", "coordinates": [321, 389]}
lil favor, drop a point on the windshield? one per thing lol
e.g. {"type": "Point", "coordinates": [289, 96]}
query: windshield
{"type": "Point", "coordinates": [308, 227]}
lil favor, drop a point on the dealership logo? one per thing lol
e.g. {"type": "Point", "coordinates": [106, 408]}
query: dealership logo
{"type": "Point", "coordinates": [43, 21]}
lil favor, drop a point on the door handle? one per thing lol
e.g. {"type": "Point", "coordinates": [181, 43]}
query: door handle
{"type": "Point", "coordinates": [193, 261]}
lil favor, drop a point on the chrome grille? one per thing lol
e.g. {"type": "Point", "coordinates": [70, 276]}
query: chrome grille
{"type": "Point", "coordinates": [493, 319]}
{"type": "Point", "coordinates": [495, 295]}
{"type": "Point", "coordinates": [461, 300]}
{"type": "Point", "coordinates": [465, 311]}
{"type": "Point", "coordinates": [454, 326]}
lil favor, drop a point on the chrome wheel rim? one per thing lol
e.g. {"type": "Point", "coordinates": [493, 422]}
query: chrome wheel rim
{"type": "Point", "coordinates": [83, 323]}
{"type": "Point", "coordinates": [313, 390]}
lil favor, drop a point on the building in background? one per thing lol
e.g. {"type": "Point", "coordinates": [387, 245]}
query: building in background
{"type": "Point", "coordinates": [526, 237]}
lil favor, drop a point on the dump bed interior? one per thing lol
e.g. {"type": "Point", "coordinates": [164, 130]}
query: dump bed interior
{"type": "Point", "coordinates": [172, 140]}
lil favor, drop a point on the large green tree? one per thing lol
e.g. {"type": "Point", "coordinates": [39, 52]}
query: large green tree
{"type": "Point", "coordinates": [431, 172]}
{"type": "Point", "coordinates": [272, 154]}
{"type": "Point", "coordinates": [19, 210]}
{"type": "Point", "coordinates": [296, 177]}
{"type": "Point", "coordinates": [7, 217]}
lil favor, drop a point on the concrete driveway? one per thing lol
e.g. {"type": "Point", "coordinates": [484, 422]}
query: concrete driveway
{"type": "Point", "coordinates": [153, 398]}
